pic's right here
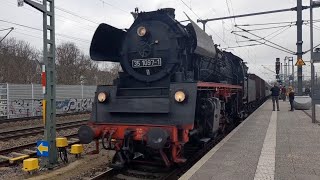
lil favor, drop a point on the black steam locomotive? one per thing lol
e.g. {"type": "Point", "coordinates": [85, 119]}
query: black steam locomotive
{"type": "Point", "coordinates": [176, 88]}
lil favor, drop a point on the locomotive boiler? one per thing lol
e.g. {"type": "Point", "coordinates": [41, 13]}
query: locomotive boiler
{"type": "Point", "coordinates": [176, 88]}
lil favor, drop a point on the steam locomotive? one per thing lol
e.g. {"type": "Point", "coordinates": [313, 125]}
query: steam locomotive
{"type": "Point", "coordinates": [176, 88]}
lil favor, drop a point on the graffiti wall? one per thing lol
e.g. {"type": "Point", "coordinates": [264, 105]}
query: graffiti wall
{"type": "Point", "coordinates": [74, 105]}
{"type": "Point", "coordinates": [3, 108]}
{"type": "Point", "coordinates": [3, 101]}
{"type": "Point", "coordinates": [28, 107]}
{"type": "Point", "coordinates": [25, 108]}
{"type": "Point", "coordinates": [25, 100]}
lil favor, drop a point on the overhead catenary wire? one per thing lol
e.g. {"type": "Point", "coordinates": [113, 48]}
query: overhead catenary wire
{"type": "Point", "coordinates": [265, 43]}
{"type": "Point", "coordinates": [255, 40]}
{"type": "Point", "coordinates": [276, 46]}
{"type": "Point", "coordinates": [111, 5]}
{"type": "Point", "coordinates": [74, 14]}
{"type": "Point", "coordinates": [267, 40]}
{"type": "Point", "coordinates": [37, 29]}
{"type": "Point", "coordinates": [266, 28]}
{"type": "Point", "coordinates": [314, 26]}
{"type": "Point", "coordinates": [91, 26]}
{"type": "Point", "coordinates": [76, 24]}
{"type": "Point", "coordinates": [190, 9]}
{"type": "Point", "coordinates": [6, 29]}
{"type": "Point", "coordinates": [275, 34]}
{"type": "Point", "coordinates": [59, 39]}
{"type": "Point", "coordinates": [1, 20]}
{"type": "Point", "coordinates": [63, 18]}
{"type": "Point", "coordinates": [23, 32]}
{"type": "Point", "coordinates": [239, 46]}
{"type": "Point", "coordinates": [201, 18]}
{"type": "Point", "coordinates": [11, 29]}
{"type": "Point", "coordinates": [234, 22]}
{"type": "Point", "coordinates": [29, 35]}
{"type": "Point", "coordinates": [314, 46]}
{"type": "Point", "coordinates": [270, 23]}
{"type": "Point", "coordinates": [73, 38]}
{"type": "Point", "coordinates": [314, 21]}
{"type": "Point", "coordinates": [232, 19]}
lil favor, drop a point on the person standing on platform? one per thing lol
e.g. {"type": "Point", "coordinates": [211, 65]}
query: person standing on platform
{"type": "Point", "coordinates": [275, 92]}
{"type": "Point", "coordinates": [291, 98]}
{"type": "Point", "coordinates": [283, 93]}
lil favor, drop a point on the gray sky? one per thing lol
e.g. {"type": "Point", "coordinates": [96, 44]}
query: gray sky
{"type": "Point", "coordinates": [117, 13]}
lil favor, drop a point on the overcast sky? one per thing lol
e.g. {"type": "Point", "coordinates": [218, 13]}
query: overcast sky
{"type": "Point", "coordinates": [87, 14]}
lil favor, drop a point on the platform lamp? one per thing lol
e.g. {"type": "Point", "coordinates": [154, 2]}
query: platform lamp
{"type": "Point", "coordinates": [291, 77]}
{"type": "Point", "coordinates": [82, 78]}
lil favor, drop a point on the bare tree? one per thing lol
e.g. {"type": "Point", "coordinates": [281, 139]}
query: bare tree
{"type": "Point", "coordinates": [19, 62]}
{"type": "Point", "coordinates": [109, 73]}
{"type": "Point", "coordinates": [72, 64]}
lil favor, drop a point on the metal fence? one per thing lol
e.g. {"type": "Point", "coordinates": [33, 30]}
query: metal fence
{"type": "Point", "coordinates": [25, 100]}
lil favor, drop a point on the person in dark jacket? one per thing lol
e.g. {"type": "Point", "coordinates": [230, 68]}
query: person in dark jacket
{"type": "Point", "coordinates": [291, 98]}
{"type": "Point", "coordinates": [275, 92]}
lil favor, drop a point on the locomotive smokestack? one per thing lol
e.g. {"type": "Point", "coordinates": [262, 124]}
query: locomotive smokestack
{"type": "Point", "coordinates": [135, 13]}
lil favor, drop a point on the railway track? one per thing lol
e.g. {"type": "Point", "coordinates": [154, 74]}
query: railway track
{"type": "Point", "coordinates": [14, 120]}
{"type": "Point", "coordinates": [14, 134]}
{"type": "Point", "coordinates": [147, 172]}
{"type": "Point", "coordinates": [28, 149]}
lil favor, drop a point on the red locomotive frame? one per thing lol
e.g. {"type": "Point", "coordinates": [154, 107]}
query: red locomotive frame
{"type": "Point", "coordinates": [115, 133]}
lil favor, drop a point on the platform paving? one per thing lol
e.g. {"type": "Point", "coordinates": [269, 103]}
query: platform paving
{"type": "Point", "coordinates": [267, 145]}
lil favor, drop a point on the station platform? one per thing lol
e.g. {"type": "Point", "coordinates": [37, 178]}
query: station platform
{"type": "Point", "coordinates": [267, 145]}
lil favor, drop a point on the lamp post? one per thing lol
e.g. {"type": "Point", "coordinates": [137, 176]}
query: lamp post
{"type": "Point", "coordinates": [291, 77]}
{"type": "Point", "coordinates": [81, 82]}
{"type": "Point", "coordinates": [285, 72]}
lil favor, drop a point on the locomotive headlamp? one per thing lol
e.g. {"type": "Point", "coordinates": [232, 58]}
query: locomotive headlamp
{"type": "Point", "coordinates": [102, 97]}
{"type": "Point", "coordinates": [141, 31]}
{"type": "Point", "coordinates": [179, 96]}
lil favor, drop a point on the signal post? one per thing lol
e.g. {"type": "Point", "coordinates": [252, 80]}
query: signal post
{"type": "Point", "coordinates": [48, 78]}
{"type": "Point", "coordinates": [278, 69]}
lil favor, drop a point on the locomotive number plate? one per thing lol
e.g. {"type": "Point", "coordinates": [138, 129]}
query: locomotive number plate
{"type": "Point", "coordinates": [151, 62]}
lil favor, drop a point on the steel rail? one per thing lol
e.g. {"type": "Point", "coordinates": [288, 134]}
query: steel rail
{"type": "Point", "coordinates": [13, 120]}
{"type": "Point", "coordinates": [13, 134]}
